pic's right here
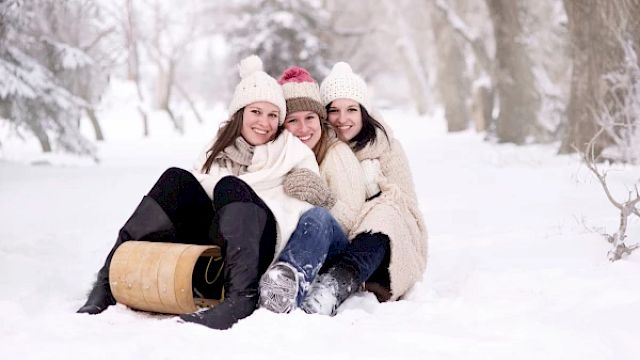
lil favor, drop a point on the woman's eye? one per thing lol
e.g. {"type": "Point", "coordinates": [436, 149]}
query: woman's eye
{"type": "Point", "coordinates": [257, 112]}
{"type": "Point", "coordinates": [273, 115]}
{"type": "Point", "coordinates": [333, 110]}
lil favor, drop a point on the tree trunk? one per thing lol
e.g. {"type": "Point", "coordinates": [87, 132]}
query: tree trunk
{"type": "Point", "coordinates": [451, 68]}
{"type": "Point", "coordinates": [95, 123]}
{"type": "Point", "coordinates": [133, 59]}
{"type": "Point", "coordinates": [41, 135]}
{"type": "Point", "coordinates": [190, 102]}
{"type": "Point", "coordinates": [518, 99]}
{"type": "Point", "coordinates": [133, 64]}
{"type": "Point", "coordinates": [165, 85]}
{"type": "Point", "coordinates": [416, 74]}
{"type": "Point", "coordinates": [595, 28]}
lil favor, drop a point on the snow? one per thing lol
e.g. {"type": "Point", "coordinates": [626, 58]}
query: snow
{"type": "Point", "coordinates": [514, 270]}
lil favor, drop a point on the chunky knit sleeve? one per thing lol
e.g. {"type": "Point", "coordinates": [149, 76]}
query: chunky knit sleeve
{"type": "Point", "coordinates": [395, 167]}
{"type": "Point", "coordinates": [342, 172]}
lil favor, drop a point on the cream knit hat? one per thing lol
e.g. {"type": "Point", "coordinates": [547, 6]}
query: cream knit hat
{"type": "Point", "coordinates": [301, 92]}
{"type": "Point", "coordinates": [256, 85]}
{"type": "Point", "coordinates": [342, 83]}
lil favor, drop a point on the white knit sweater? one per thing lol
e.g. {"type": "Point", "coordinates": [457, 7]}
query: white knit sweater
{"type": "Point", "coordinates": [342, 172]}
{"type": "Point", "coordinates": [270, 164]}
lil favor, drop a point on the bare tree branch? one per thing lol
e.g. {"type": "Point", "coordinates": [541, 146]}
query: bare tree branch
{"type": "Point", "coordinates": [627, 208]}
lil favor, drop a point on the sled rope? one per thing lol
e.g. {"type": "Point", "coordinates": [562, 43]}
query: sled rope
{"type": "Point", "coordinates": [206, 272]}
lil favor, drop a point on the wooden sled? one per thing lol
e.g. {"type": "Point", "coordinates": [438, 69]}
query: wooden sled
{"type": "Point", "coordinates": [157, 277]}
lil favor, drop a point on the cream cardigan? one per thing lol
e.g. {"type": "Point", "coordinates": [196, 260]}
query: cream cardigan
{"type": "Point", "coordinates": [342, 172]}
{"type": "Point", "coordinates": [395, 213]}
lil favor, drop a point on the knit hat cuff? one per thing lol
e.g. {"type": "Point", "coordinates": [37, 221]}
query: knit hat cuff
{"type": "Point", "coordinates": [306, 104]}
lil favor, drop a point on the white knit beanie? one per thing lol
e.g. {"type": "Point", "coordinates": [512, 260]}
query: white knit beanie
{"type": "Point", "coordinates": [256, 85]}
{"type": "Point", "coordinates": [342, 83]}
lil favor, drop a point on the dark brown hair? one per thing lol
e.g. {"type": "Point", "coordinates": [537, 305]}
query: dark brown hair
{"type": "Point", "coordinates": [367, 134]}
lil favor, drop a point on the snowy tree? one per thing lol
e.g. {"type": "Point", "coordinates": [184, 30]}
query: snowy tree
{"type": "Point", "coordinates": [605, 40]}
{"type": "Point", "coordinates": [470, 22]}
{"type": "Point", "coordinates": [547, 40]}
{"type": "Point", "coordinates": [33, 95]}
{"type": "Point", "coordinates": [282, 32]}
{"type": "Point", "coordinates": [518, 98]}
{"type": "Point", "coordinates": [452, 75]}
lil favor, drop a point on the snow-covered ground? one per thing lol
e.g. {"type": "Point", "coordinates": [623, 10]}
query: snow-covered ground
{"type": "Point", "coordinates": [516, 269]}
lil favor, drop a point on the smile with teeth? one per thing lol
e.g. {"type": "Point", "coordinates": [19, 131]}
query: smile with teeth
{"type": "Point", "coordinates": [260, 131]}
{"type": "Point", "coordinates": [305, 138]}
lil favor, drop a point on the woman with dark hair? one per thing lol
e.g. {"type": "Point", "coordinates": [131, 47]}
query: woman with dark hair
{"type": "Point", "coordinates": [233, 198]}
{"type": "Point", "coordinates": [388, 250]}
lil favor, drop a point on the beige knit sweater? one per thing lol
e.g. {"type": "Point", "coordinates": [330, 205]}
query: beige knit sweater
{"type": "Point", "coordinates": [395, 213]}
{"type": "Point", "coordinates": [342, 172]}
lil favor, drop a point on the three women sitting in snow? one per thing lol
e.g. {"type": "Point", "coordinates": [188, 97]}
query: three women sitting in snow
{"type": "Point", "coordinates": [307, 193]}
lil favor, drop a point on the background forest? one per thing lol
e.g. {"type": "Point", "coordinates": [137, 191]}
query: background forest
{"type": "Point", "coordinates": [522, 72]}
{"type": "Point", "coordinates": [520, 121]}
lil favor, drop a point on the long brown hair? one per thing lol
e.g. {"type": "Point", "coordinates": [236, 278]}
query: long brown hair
{"type": "Point", "coordinates": [227, 134]}
{"type": "Point", "coordinates": [321, 148]}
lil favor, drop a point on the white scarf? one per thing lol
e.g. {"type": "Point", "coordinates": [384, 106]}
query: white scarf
{"type": "Point", "coordinates": [270, 164]}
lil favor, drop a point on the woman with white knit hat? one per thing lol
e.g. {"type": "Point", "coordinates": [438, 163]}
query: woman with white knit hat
{"type": "Point", "coordinates": [388, 250]}
{"type": "Point", "coordinates": [338, 194]}
{"type": "Point", "coordinates": [234, 197]}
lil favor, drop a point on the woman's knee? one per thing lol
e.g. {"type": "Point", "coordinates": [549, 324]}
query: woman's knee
{"type": "Point", "coordinates": [374, 241]}
{"type": "Point", "coordinates": [173, 181]}
{"type": "Point", "coordinates": [317, 214]}
{"type": "Point", "coordinates": [317, 218]}
{"type": "Point", "coordinates": [174, 173]}
{"type": "Point", "coordinates": [231, 189]}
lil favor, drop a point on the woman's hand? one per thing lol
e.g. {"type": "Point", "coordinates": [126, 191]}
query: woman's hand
{"type": "Point", "coordinates": [305, 185]}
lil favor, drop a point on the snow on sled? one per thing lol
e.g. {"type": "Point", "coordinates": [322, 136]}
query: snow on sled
{"type": "Point", "coordinates": [160, 277]}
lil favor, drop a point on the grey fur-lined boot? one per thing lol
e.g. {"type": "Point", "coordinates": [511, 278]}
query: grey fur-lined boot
{"type": "Point", "coordinates": [329, 290]}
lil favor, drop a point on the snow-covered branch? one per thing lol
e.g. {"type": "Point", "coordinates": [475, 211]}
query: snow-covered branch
{"type": "Point", "coordinates": [626, 208]}
{"type": "Point", "coordinates": [463, 30]}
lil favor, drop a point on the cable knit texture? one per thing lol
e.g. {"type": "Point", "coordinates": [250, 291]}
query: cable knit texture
{"type": "Point", "coordinates": [343, 174]}
{"type": "Point", "coordinates": [301, 92]}
{"type": "Point", "coordinates": [236, 157]}
{"type": "Point", "coordinates": [371, 170]}
{"type": "Point", "coordinates": [256, 85]}
{"type": "Point", "coordinates": [395, 213]}
{"type": "Point", "coordinates": [308, 186]}
{"type": "Point", "coordinates": [270, 164]}
{"type": "Point", "coordinates": [343, 83]}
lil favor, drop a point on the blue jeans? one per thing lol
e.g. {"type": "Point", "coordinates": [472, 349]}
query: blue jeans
{"type": "Point", "coordinates": [317, 238]}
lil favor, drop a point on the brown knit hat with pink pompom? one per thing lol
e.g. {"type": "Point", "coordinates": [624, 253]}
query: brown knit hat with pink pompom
{"type": "Point", "coordinates": [301, 92]}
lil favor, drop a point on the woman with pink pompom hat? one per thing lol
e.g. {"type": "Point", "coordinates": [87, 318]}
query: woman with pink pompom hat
{"type": "Point", "coordinates": [338, 194]}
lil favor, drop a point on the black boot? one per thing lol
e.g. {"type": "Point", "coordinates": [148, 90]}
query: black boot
{"type": "Point", "coordinates": [241, 226]}
{"type": "Point", "coordinates": [149, 219]}
{"type": "Point", "coordinates": [330, 289]}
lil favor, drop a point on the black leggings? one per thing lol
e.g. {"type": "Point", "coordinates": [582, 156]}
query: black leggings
{"type": "Point", "coordinates": [194, 215]}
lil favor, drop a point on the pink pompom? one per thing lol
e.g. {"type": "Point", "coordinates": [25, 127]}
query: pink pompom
{"type": "Point", "coordinates": [295, 74]}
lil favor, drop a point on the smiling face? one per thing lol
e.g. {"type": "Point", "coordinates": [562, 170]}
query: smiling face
{"type": "Point", "coordinates": [346, 118]}
{"type": "Point", "coordinates": [305, 125]}
{"type": "Point", "coordinates": [259, 122]}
